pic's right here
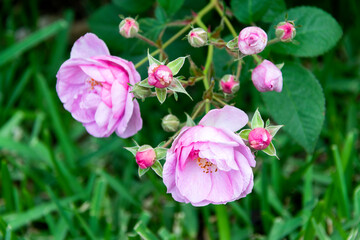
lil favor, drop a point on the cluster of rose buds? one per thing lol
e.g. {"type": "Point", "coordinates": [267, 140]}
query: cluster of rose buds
{"type": "Point", "coordinates": [210, 162]}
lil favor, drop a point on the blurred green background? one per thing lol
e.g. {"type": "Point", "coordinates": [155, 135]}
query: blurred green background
{"type": "Point", "coordinates": [58, 182]}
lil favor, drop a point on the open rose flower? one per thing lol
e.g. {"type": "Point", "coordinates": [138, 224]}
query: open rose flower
{"type": "Point", "coordinates": [93, 86]}
{"type": "Point", "coordinates": [209, 163]}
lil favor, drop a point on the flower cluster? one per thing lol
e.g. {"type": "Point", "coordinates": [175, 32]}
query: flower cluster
{"type": "Point", "coordinates": [207, 163]}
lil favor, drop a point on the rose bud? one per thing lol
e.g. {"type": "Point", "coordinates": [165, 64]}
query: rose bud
{"type": "Point", "coordinates": [252, 40]}
{"type": "Point", "coordinates": [197, 37]}
{"type": "Point", "coordinates": [285, 31]}
{"type": "Point", "coordinates": [128, 27]}
{"type": "Point", "coordinates": [267, 77]}
{"type": "Point", "coordinates": [259, 138]}
{"type": "Point", "coordinates": [170, 123]}
{"type": "Point", "coordinates": [140, 91]}
{"type": "Point", "coordinates": [145, 156]}
{"type": "Point", "coordinates": [229, 85]}
{"type": "Point", "coordinates": [160, 76]}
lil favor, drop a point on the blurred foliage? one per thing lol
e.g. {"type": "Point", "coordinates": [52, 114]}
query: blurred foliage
{"type": "Point", "coordinates": [57, 182]}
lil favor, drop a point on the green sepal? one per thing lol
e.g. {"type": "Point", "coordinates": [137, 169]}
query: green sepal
{"type": "Point", "coordinates": [160, 153]}
{"type": "Point", "coordinates": [161, 94]}
{"type": "Point", "coordinates": [152, 60]}
{"type": "Point", "coordinates": [176, 65]}
{"type": "Point", "coordinates": [270, 150]}
{"type": "Point", "coordinates": [244, 134]}
{"type": "Point", "coordinates": [145, 83]}
{"type": "Point", "coordinates": [256, 121]}
{"type": "Point", "coordinates": [176, 86]}
{"type": "Point", "coordinates": [273, 129]}
{"type": "Point", "coordinates": [189, 121]}
{"type": "Point", "coordinates": [267, 123]}
{"type": "Point", "coordinates": [133, 150]}
{"type": "Point", "coordinates": [157, 167]}
{"type": "Point", "coordinates": [142, 171]}
{"type": "Point", "coordinates": [233, 44]}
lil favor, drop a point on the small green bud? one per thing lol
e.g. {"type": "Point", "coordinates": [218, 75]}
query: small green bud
{"type": "Point", "coordinates": [170, 123]}
{"type": "Point", "coordinates": [141, 92]}
{"type": "Point", "coordinates": [128, 27]}
{"type": "Point", "coordinates": [197, 37]}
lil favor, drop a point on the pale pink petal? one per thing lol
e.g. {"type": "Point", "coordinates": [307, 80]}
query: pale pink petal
{"type": "Point", "coordinates": [118, 98]}
{"type": "Point", "coordinates": [67, 92]}
{"type": "Point", "coordinates": [94, 72]}
{"type": "Point", "coordinates": [129, 108]}
{"type": "Point", "coordinates": [89, 46]}
{"type": "Point", "coordinates": [94, 129]}
{"type": "Point", "coordinates": [220, 155]}
{"type": "Point", "coordinates": [134, 124]}
{"type": "Point", "coordinates": [102, 115]}
{"type": "Point", "coordinates": [70, 71]}
{"type": "Point", "coordinates": [193, 183]}
{"type": "Point", "coordinates": [228, 117]}
{"type": "Point", "coordinates": [221, 190]}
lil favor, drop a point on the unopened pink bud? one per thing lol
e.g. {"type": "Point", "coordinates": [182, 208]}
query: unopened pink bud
{"type": "Point", "coordinates": [267, 77]}
{"type": "Point", "coordinates": [145, 156]}
{"type": "Point", "coordinates": [128, 27]}
{"type": "Point", "coordinates": [197, 37]}
{"type": "Point", "coordinates": [285, 31]}
{"type": "Point", "coordinates": [259, 138]}
{"type": "Point", "coordinates": [252, 40]}
{"type": "Point", "coordinates": [160, 76]}
{"type": "Point", "coordinates": [228, 84]}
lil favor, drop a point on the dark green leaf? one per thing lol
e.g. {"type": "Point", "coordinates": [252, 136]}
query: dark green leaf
{"type": "Point", "coordinates": [171, 6]}
{"type": "Point", "coordinates": [274, 10]}
{"type": "Point", "coordinates": [318, 33]}
{"type": "Point", "coordinates": [249, 11]}
{"type": "Point", "coordinates": [300, 106]}
{"type": "Point", "coordinates": [134, 6]}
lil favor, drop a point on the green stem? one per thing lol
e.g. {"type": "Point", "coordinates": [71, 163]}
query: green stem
{"type": "Point", "coordinates": [196, 113]}
{"type": "Point", "coordinates": [145, 39]}
{"type": "Point", "coordinates": [208, 62]}
{"type": "Point", "coordinates": [223, 222]}
{"type": "Point", "coordinates": [220, 101]}
{"type": "Point", "coordinates": [227, 22]}
{"type": "Point", "coordinates": [272, 41]}
{"type": "Point", "coordinates": [256, 58]}
{"type": "Point", "coordinates": [202, 12]}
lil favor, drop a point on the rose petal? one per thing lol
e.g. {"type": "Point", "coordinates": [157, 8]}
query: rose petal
{"type": "Point", "coordinates": [89, 46]}
{"type": "Point", "coordinates": [134, 124]}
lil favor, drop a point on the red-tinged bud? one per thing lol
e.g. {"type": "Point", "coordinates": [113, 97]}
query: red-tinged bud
{"type": "Point", "coordinates": [128, 27]}
{"type": "Point", "coordinates": [197, 37]}
{"type": "Point", "coordinates": [229, 85]}
{"type": "Point", "coordinates": [285, 31]}
{"type": "Point", "coordinates": [259, 138]}
{"type": "Point", "coordinates": [160, 76]}
{"type": "Point", "coordinates": [145, 156]}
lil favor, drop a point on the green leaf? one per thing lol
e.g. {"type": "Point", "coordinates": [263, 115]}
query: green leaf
{"type": "Point", "coordinates": [270, 150]}
{"type": "Point", "coordinates": [300, 106]}
{"type": "Point", "coordinates": [144, 232]}
{"type": "Point", "coordinates": [134, 7]}
{"type": "Point", "coordinates": [176, 65]}
{"type": "Point", "coordinates": [244, 134]}
{"type": "Point", "coordinates": [319, 32]}
{"type": "Point", "coordinates": [273, 129]}
{"type": "Point", "coordinates": [160, 153]}
{"type": "Point", "coordinates": [171, 6]}
{"type": "Point", "coordinates": [142, 171]}
{"type": "Point", "coordinates": [133, 150]}
{"type": "Point", "coordinates": [145, 83]}
{"type": "Point", "coordinates": [249, 11]}
{"type": "Point", "coordinates": [274, 10]}
{"type": "Point", "coordinates": [157, 167]}
{"type": "Point", "coordinates": [282, 228]}
{"type": "Point", "coordinates": [189, 121]}
{"type": "Point", "coordinates": [161, 94]}
{"type": "Point", "coordinates": [257, 121]}
{"type": "Point", "coordinates": [176, 86]}
{"type": "Point", "coordinates": [152, 60]}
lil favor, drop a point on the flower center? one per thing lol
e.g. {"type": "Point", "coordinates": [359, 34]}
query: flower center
{"type": "Point", "coordinates": [94, 83]}
{"type": "Point", "coordinates": [207, 166]}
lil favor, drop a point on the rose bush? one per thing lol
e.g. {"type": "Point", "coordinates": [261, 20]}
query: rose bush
{"type": "Point", "coordinates": [209, 163]}
{"type": "Point", "coordinates": [93, 86]}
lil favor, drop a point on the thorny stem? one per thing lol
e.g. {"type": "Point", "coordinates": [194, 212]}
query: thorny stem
{"type": "Point", "coordinates": [202, 12]}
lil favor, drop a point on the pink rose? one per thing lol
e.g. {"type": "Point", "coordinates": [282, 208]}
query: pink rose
{"type": "Point", "coordinates": [160, 76]}
{"type": "Point", "coordinates": [93, 86]}
{"type": "Point", "coordinates": [259, 138]}
{"type": "Point", "coordinates": [209, 163]}
{"type": "Point", "coordinates": [229, 85]}
{"type": "Point", "coordinates": [145, 156]}
{"type": "Point", "coordinates": [267, 77]}
{"type": "Point", "coordinates": [252, 40]}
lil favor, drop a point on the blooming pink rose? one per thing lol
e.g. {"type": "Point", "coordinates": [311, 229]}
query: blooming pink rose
{"type": "Point", "coordinates": [209, 163]}
{"type": "Point", "coordinates": [93, 86]}
{"type": "Point", "coordinates": [252, 40]}
{"type": "Point", "coordinates": [259, 138]}
{"type": "Point", "coordinates": [160, 76]}
{"type": "Point", "coordinates": [267, 77]}
{"type": "Point", "coordinates": [145, 156]}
